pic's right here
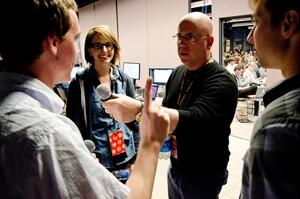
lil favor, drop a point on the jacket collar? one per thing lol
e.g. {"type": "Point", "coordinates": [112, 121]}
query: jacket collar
{"type": "Point", "coordinates": [282, 88]}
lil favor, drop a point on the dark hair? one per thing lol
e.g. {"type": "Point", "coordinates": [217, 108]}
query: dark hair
{"type": "Point", "coordinates": [22, 36]}
{"type": "Point", "coordinates": [238, 67]}
{"type": "Point", "coordinates": [278, 8]}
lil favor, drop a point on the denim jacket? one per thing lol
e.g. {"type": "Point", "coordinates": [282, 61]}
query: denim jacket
{"type": "Point", "coordinates": [99, 123]}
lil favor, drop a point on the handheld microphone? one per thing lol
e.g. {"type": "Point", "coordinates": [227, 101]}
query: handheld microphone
{"type": "Point", "coordinates": [104, 92]}
{"type": "Point", "coordinates": [90, 145]}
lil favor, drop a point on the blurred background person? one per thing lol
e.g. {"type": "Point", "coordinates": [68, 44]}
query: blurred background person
{"type": "Point", "coordinates": [244, 88]}
{"type": "Point", "coordinates": [252, 75]}
{"type": "Point", "coordinates": [232, 63]}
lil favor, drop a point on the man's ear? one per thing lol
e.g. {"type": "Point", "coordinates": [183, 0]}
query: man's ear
{"type": "Point", "coordinates": [210, 41]}
{"type": "Point", "coordinates": [290, 23]}
{"type": "Point", "coordinates": [52, 43]}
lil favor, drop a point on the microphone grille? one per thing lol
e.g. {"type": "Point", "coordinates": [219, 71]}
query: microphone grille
{"type": "Point", "coordinates": [103, 91]}
{"type": "Point", "coordinates": [90, 145]}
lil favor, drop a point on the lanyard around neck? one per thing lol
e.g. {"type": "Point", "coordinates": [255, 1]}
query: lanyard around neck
{"type": "Point", "coordinates": [182, 93]}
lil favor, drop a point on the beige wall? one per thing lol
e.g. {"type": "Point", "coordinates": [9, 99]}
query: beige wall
{"type": "Point", "coordinates": [145, 28]}
{"type": "Point", "coordinates": [90, 16]}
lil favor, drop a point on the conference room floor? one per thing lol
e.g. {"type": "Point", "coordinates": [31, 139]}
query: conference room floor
{"type": "Point", "coordinates": [238, 144]}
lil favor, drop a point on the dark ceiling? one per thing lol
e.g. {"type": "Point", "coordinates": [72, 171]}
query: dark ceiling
{"type": "Point", "coordinates": [82, 3]}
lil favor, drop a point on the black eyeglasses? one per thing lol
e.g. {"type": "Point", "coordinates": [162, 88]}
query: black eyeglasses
{"type": "Point", "coordinates": [99, 46]}
{"type": "Point", "coordinates": [191, 37]}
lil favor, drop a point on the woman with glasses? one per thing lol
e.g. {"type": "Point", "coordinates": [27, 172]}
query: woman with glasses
{"type": "Point", "coordinates": [115, 143]}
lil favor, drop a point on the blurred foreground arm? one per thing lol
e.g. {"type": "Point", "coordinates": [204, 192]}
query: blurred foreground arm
{"type": "Point", "coordinates": [124, 109]}
{"type": "Point", "coordinates": [154, 129]}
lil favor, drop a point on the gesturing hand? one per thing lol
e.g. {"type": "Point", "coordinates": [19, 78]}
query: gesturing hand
{"type": "Point", "coordinates": [155, 123]}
